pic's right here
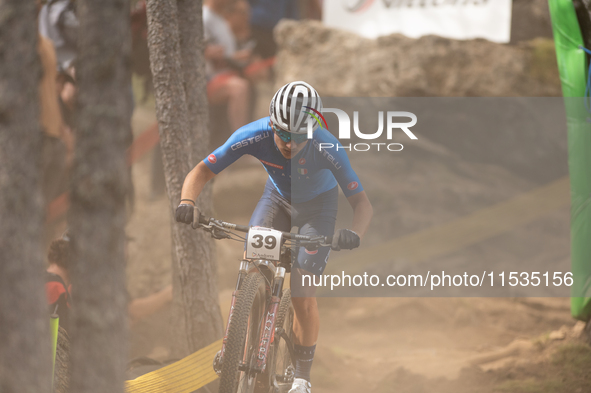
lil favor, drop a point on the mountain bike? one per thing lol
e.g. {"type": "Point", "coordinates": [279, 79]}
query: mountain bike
{"type": "Point", "coordinates": [257, 350]}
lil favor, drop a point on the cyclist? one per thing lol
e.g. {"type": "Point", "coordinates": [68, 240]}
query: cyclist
{"type": "Point", "coordinates": [301, 191]}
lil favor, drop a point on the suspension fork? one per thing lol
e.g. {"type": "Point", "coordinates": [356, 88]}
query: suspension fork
{"type": "Point", "coordinates": [243, 270]}
{"type": "Point", "coordinates": [268, 323]}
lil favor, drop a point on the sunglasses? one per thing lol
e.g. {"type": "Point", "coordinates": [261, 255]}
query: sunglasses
{"type": "Point", "coordinates": [287, 136]}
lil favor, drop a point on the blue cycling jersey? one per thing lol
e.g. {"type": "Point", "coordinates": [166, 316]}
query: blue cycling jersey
{"type": "Point", "coordinates": [308, 174]}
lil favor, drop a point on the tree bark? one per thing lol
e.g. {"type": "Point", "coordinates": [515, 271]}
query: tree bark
{"type": "Point", "coordinates": [25, 362]}
{"type": "Point", "coordinates": [100, 185]}
{"type": "Point", "coordinates": [193, 64]}
{"type": "Point", "coordinates": [192, 46]}
{"type": "Point", "coordinates": [176, 60]}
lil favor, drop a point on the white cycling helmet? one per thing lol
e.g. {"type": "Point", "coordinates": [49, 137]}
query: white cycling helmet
{"type": "Point", "coordinates": [294, 105]}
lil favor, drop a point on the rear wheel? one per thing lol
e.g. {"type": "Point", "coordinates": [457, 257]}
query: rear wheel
{"type": "Point", "coordinates": [243, 336]}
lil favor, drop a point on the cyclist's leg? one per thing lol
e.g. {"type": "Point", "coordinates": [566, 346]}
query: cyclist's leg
{"type": "Point", "coordinates": [316, 217]}
{"type": "Point", "coordinates": [307, 265]}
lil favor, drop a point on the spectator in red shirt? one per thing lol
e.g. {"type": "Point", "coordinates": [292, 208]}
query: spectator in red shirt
{"type": "Point", "coordinates": [57, 284]}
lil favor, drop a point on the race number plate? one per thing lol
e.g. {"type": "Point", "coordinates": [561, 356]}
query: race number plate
{"type": "Point", "coordinates": [263, 243]}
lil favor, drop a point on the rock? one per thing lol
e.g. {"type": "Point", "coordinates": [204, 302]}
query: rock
{"type": "Point", "coordinates": [339, 63]}
{"type": "Point", "coordinates": [559, 334]}
{"type": "Point", "coordinates": [516, 347]}
{"type": "Point", "coordinates": [578, 329]}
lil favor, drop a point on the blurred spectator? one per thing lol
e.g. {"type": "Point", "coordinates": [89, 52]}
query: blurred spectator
{"type": "Point", "coordinates": [51, 118]}
{"type": "Point", "coordinates": [264, 17]}
{"type": "Point", "coordinates": [57, 150]}
{"type": "Point", "coordinates": [224, 63]}
{"type": "Point", "coordinates": [57, 282]}
{"type": "Point", "coordinates": [66, 86]}
{"type": "Point", "coordinates": [58, 287]}
{"type": "Point", "coordinates": [59, 23]}
{"type": "Point", "coordinates": [140, 56]}
{"type": "Point", "coordinates": [238, 16]}
{"type": "Point", "coordinates": [312, 9]}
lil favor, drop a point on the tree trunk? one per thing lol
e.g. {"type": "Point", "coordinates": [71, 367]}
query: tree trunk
{"type": "Point", "coordinates": [100, 185]}
{"type": "Point", "coordinates": [179, 79]}
{"type": "Point", "coordinates": [25, 362]}
{"type": "Point", "coordinates": [193, 64]}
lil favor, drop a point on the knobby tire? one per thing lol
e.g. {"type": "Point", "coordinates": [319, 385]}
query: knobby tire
{"type": "Point", "coordinates": [243, 336]}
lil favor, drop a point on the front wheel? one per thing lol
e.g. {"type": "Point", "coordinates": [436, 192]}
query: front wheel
{"type": "Point", "coordinates": [279, 374]}
{"type": "Point", "coordinates": [243, 335]}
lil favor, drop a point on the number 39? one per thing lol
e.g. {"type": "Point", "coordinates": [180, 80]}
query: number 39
{"type": "Point", "coordinates": [270, 242]}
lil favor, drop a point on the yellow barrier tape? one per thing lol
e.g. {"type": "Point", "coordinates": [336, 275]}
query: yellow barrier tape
{"type": "Point", "coordinates": [184, 376]}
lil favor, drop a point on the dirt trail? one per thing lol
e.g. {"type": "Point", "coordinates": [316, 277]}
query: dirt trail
{"type": "Point", "coordinates": [364, 341]}
{"type": "Point", "coordinates": [385, 344]}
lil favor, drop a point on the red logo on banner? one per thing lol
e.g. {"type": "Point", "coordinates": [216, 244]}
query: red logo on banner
{"type": "Point", "coordinates": [311, 252]}
{"type": "Point", "coordinates": [212, 159]}
{"type": "Point", "coordinates": [353, 185]}
{"type": "Point", "coordinates": [361, 6]}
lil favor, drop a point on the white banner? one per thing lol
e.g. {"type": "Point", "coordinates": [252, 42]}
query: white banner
{"type": "Point", "coordinates": [458, 19]}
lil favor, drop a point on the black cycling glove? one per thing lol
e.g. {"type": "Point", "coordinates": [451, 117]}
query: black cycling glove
{"type": "Point", "coordinates": [345, 239]}
{"type": "Point", "coordinates": [184, 213]}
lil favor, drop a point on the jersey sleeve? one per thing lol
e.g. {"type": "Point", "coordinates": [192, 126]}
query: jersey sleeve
{"type": "Point", "coordinates": [243, 141]}
{"type": "Point", "coordinates": [335, 159]}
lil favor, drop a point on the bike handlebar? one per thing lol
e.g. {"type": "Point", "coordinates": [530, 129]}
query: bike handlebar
{"type": "Point", "coordinates": [200, 219]}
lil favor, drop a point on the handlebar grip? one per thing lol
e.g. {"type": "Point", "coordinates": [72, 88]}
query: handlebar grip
{"type": "Point", "coordinates": [242, 228]}
{"type": "Point", "coordinates": [199, 218]}
{"type": "Point", "coordinates": [196, 217]}
{"type": "Point", "coordinates": [204, 220]}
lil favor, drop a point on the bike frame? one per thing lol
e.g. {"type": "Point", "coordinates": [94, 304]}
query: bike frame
{"type": "Point", "coordinates": [274, 276]}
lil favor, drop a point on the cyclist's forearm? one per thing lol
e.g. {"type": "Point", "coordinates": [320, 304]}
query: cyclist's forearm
{"type": "Point", "coordinates": [362, 213]}
{"type": "Point", "coordinates": [195, 181]}
{"type": "Point", "coordinates": [361, 219]}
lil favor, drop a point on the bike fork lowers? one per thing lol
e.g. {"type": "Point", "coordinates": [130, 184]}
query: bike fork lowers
{"type": "Point", "coordinates": [243, 271]}
{"type": "Point", "coordinates": [268, 323]}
